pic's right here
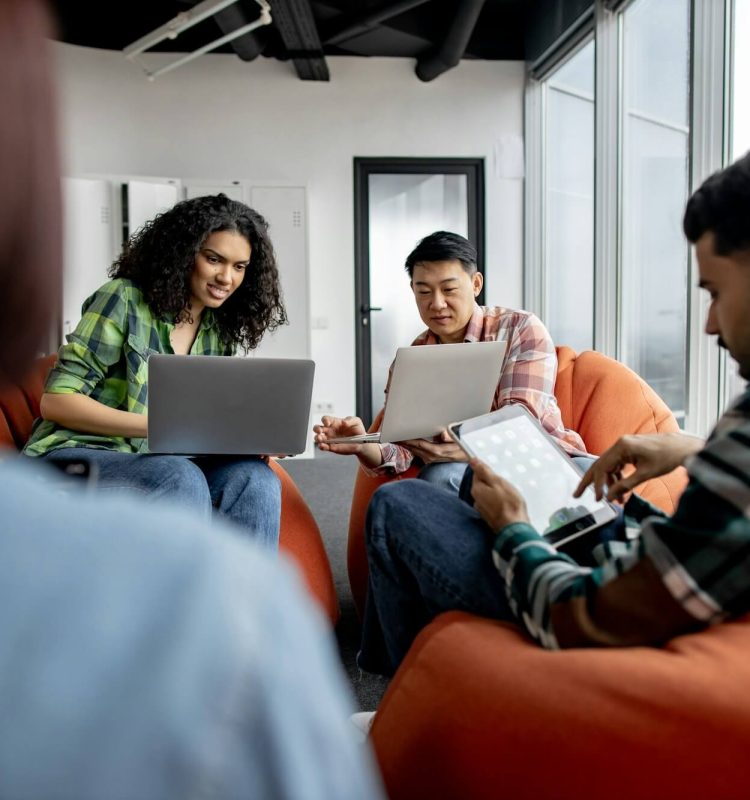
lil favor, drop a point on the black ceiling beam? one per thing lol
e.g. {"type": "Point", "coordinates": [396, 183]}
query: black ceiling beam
{"type": "Point", "coordinates": [296, 25]}
{"type": "Point", "coordinates": [357, 25]}
{"type": "Point", "coordinates": [231, 18]}
{"type": "Point", "coordinates": [449, 53]}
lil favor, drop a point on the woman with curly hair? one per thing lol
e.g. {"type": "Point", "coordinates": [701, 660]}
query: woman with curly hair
{"type": "Point", "coordinates": [198, 279]}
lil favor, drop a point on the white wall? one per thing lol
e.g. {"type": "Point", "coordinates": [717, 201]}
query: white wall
{"type": "Point", "coordinates": [219, 117]}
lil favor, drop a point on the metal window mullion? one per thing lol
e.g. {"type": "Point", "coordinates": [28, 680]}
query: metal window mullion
{"type": "Point", "coordinates": [606, 183]}
{"type": "Point", "coordinates": [707, 154]}
{"type": "Point", "coordinates": [544, 293]}
{"type": "Point", "coordinates": [726, 364]}
{"type": "Point", "coordinates": [624, 236]}
{"type": "Point", "coordinates": [534, 199]}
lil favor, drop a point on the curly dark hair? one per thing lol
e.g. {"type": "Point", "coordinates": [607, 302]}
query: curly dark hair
{"type": "Point", "coordinates": [160, 257]}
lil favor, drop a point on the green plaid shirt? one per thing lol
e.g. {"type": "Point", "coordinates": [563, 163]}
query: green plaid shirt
{"type": "Point", "coordinates": [106, 358]}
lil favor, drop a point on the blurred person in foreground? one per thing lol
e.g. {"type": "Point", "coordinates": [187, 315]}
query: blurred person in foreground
{"type": "Point", "coordinates": [141, 655]}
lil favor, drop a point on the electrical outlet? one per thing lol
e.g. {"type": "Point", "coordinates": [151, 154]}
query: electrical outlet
{"type": "Point", "coordinates": [323, 407]}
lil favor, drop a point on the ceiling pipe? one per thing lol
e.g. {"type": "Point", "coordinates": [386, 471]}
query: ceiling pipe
{"type": "Point", "coordinates": [449, 53]}
{"type": "Point", "coordinates": [173, 28]}
{"type": "Point", "coordinates": [363, 24]}
{"type": "Point", "coordinates": [263, 19]}
{"type": "Point", "coordinates": [186, 20]}
{"type": "Point", "coordinates": [247, 47]}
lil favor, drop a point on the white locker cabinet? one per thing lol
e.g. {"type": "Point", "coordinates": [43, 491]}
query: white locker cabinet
{"type": "Point", "coordinates": [285, 211]}
{"type": "Point", "coordinates": [284, 208]}
{"type": "Point", "coordinates": [93, 230]}
{"type": "Point", "coordinates": [90, 242]}
{"type": "Point", "coordinates": [199, 189]}
{"type": "Point", "coordinates": [146, 199]}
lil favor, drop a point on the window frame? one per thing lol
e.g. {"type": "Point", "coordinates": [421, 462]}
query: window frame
{"type": "Point", "coordinates": [708, 150]}
{"type": "Point", "coordinates": [535, 201]}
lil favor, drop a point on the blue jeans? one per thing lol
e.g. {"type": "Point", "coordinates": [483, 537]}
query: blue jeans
{"type": "Point", "coordinates": [243, 490]}
{"type": "Point", "coordinates": [428, 552]}
{"type": "Point", "coordinates": [447, 474]}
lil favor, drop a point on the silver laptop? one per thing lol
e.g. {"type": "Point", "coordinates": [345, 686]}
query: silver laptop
{"type": "Point", "coordinates": [434, 385]}
{"type": "Point", "coordinates": [220, 405]}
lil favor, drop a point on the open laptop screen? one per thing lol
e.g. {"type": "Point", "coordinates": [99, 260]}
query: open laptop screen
{"type": "Point", "coordinates": [223, 405]}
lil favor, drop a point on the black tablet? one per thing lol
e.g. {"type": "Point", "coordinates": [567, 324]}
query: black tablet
{"type": "Point", "coordinates": [513, 443]}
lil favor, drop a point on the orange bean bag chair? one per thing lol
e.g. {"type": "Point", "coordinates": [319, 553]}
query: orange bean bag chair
{"type": "Point", "coordinates": [300, 536]}
{"type": "Point", "coordinates": [477, 711]}
{"type": "Point", "coordinates": [598, 397]}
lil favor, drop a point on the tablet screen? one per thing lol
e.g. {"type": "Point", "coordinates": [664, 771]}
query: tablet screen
{"type": "Point", "coordinates": [518, 450]}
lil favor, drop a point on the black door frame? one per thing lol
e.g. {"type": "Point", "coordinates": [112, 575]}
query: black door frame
{"type": "Point", "coordinates": [473, 168]}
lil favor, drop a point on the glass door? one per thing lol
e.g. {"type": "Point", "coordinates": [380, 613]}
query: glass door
{"type": "Point", "coordinates": [397, 203]}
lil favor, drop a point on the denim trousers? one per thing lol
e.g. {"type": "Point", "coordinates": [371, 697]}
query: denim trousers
{"type": "Point", "coordinates": [447, 474]}
{"type": "Point", "coordinates": [429, 551]}
{"type": "Point", "coordinates": [243, 490]}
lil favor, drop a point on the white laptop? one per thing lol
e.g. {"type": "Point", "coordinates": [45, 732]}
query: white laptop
{"type": "Point", "coordinates": [433, 385]}
{"type": "Point", "coordinates": [222, 405]}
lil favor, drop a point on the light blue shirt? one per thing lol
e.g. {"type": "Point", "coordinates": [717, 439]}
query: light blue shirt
{"type": "Point", "coordinates": [144, 654]}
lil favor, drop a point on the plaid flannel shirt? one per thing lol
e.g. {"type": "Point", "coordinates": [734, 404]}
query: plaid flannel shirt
{"type": "Point", "coordinates": [528, 376]}
{"type": "Point", "coordinates": [106, 358]}
{"type": "Point", "coordinates": [700, 556]}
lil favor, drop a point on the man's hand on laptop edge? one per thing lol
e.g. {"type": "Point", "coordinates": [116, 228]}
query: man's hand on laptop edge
{"type": "Point", "coordinates": [442, 449]}
{"type": "Point", "coordinates": [336, 427]}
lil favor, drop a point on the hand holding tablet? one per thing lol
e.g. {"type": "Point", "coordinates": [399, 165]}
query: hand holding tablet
{"type": "Point", "coordinates": [515, 446]}
{"type": "Point", "coordinates": [497, 500]}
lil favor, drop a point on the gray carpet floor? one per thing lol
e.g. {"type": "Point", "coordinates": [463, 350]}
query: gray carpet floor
{"type": "Point", "coordinates": [326, 483]}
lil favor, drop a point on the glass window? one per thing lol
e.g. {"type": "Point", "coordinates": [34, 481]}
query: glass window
{"type": "Point", "coordinates": [569, 201]}
{"type": "Point", "coordinates": [654, 171]}
{"type": "Point", "coordinates": [740, 79]}
{"type": "Point", "coordinates": [739, 132]}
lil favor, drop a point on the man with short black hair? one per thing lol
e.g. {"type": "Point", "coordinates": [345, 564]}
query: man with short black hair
{"type": "Point", "coordinates": [430, 552]}
{"type": "Point", "coordinates": [445, 280]}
